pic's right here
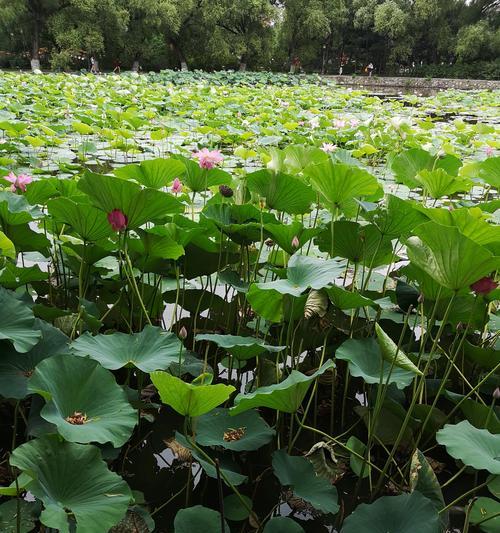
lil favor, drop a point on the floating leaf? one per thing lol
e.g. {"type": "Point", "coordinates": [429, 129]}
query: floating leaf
{"type": "Point", "coordinates": [198, 519]}
{"type": "Point", "coordinates": [406, 513]}
{"type": "Point", "coordinates": [283, 524]}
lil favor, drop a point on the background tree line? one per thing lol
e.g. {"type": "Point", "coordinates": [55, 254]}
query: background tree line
{"type": "Point", "coordinates": [313, 35]}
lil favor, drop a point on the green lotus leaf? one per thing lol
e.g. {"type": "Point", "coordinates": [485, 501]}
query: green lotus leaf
{"type": "Point", "coordinates": [283, 235]}
{"type": "Point", "coordinates": [151, 349]}
{"type": "Point", "coordinates": [344, 299]}
{"type": "Point", "coordinates": [15, 209]}
{"type": "Point", "coordinates": [424, 480]}
{"type": "Point", "coordinates": [267, 303]}
{"type": "Point", "coordinates": [358, 243]}
{"type": "Point", "coordinates": [190, 399]}
{"type": "Point", "coordinates": [298, 473]}
{"type": "Point", "coordinates": [489, 171]}
{"type": "Point", "coordinates": [449, 257]}
{"type": "Point", "coordinates": [282, 192]}
{"type": "Point", "coordinates": [286, 396]}
{"type": "Point", "coordinates": [154, 173]}
{"type": "Point", "coordinates": [283, 524]}
{"type": "Point", "coordinates": [8, 516]}
{"type": "Point", "coordinates": [474, 447]}
{"type": "Point", "coordinates": [356, 464]}
{"type": "Point", "coordinates": [398, 218]}
{"type": "Point", "coordinates": [17, 322]}
{"type": "Point", "coordinates": [16, 369]}
{"type": "Point", "coordinates": [365, 361]}
{"type": "Point", "coordinates": [438, 183]}
{"type": "Point", "coordinates": [234, 509]}
{"type": "Point", "coordinates": [240, 347]}
{"type": "Point", "coordinates": [199, 519]}
{"type": "Point", "coordinates": [338, 183]}
{"type": "Point", "coordinates": [90, 223]}
{"type": "Point", "coordinates": [230, 473]}
{"type": "Point", "coordinates": [392, 354]}
{"type": "Point", "coordinates": [83, 400]}
{"type": "Point", "coordinates": [408, 164]}
{"type": "Point", "coordinates": [304, 272]}
{"type": "Point", "coordinates": [406, 513]}
{"type": "Point", "coordinates": [199, 179]}
{"type": "Point", "coordinates": [139, 205]}
{"type": "Point", "coordinates": [74, 484]}
{"type": "Point", "coordinates": [7, 248]}
{"type": "Point", "coordinates": [212, 429]}
{"type": "Point", "coordinates": [12, 276]}
{"type": "Point", "coordinates": [485, 513]}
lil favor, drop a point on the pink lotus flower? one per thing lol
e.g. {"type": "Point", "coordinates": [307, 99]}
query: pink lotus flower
{"type": "Point", "coordinates": [489, 151]}
{"type": "Point", "coordinates": [20, 182]}
{"type": "Point", "coordinates": [339, 123]}
{"type": "Point", "coordinates": [328, 147]}
{"type": "Point", "coordinates": [484, 285]}
{"type": "Point", "coordinates": [118, 220]}
{"type": "Point", "coordinates": [314, 122]}
{"type": "Point", "coordinates": [295, 242]}
{"type": "Point", "coordinates": [208, 159]}
{"type": "Point", "coordinates": [354, 122]}
{"type": "Point", "coordinates": [176, 186]}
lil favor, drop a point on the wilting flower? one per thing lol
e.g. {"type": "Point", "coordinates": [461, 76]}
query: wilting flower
{"type": "Point", "coordinates": [183, 333]}
{"type": "Point", "coordinates": [118, 220]}
{"type": "Point", "coordinates": [226, 191]}
{"type": "Point", "coordinates": [176, 186]}
{"type": "Point", "coordinates": [484, 285]}
{"type": "Point", "coordinates": [295, 242]}
{"type": "Point", "coordinates": [339, 123]}
{"type": "Point", "coordinates": [18, 182]}
{"type": "Point", "coordinates": [208, 158]}
{"type": "Point", "coordinates": [328, 147]}
{"type": "Point", "coordinates": [489, 151]}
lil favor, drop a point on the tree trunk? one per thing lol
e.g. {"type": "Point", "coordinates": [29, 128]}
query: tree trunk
{"type": "Point", "coordinates": [243, 63]}
{"type": "Point", "coordinates": [35, 45]}
{"type": "Point", "coordinates": [180, 55]}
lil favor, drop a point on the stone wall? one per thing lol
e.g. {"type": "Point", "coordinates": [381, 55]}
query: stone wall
{"type": "Point", "coordinates": [415, 83]}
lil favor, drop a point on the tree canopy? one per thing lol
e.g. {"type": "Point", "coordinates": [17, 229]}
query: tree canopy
{"type": "Point", "coordinates": [316, 35]}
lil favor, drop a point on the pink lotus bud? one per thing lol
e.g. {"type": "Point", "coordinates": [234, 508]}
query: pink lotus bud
{"type": "Point", "coordinates": [118, 220]}
{"type": "Point", "coordinates": [295, 242]}
{"type": "Point", "coordinates": [183, 333]}
{"type": "Point", "coordinates": [176, 186]}
{"type": "Point", "coordinates": [496, 393]}
{"type": "Point", "coordinates": [489, 151]}
{"type": "Point", "coordinates": [484, 285]}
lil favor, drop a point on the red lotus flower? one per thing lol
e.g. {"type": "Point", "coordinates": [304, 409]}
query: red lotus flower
{"type": "Point", "coordinates": [118, 220]}
{"type": "Point", "coordinates": [484, 285]}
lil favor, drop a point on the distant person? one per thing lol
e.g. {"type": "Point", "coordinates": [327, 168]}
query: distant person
{"type": "Point", "coordinates": [369, 69]}
{"type": "Point", "coordinates": [117, 66]}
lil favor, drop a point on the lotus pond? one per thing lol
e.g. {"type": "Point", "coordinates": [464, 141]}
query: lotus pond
{"type": "Point", "coordinates": [231, 306]}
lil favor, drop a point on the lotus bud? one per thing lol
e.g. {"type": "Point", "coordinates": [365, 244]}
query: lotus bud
{"type": "Point", "coordinates": [176, 186]}
{"type": "Point", "coordinates": [295, 242]}
{"type": "Point", "coordinates": [496, 393]}
{"type": "Point", "coordinates": [262, 202]}
{"type": "Point", "coordinates": [118, 220]}
{"type": "Point", "coordinates": [183, 333]}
